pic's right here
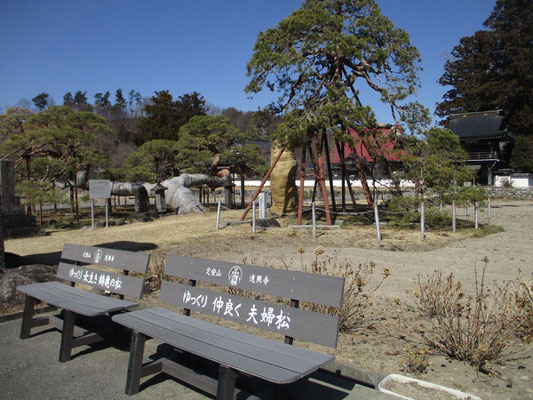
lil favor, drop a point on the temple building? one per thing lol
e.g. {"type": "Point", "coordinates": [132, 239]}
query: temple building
{"type": "Point", "coordinates": [484, 138]}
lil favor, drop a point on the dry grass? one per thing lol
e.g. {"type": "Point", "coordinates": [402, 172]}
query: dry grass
{"type": "Point", "coordinates": [162, 232]}
{"type": "Point", "coordinates": [478, 327]}
{"type": "Point", "coordinates": [360, 284]}
{"type": "Point", "coordinates": [523, 288]}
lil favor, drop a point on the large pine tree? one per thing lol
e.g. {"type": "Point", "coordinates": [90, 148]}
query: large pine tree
{"type": "Point", "coordinates": [493, 69]}
{"type": "Point", "coordinates": [321, 60]}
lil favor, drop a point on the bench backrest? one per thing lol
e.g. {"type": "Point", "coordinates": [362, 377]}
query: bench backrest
{"type": "Point", "coordinates": [74, 259]}
{"type": "Point", "coordinates": [276, 317]}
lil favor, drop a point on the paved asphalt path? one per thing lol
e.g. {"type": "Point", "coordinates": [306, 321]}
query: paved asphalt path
{"type": "Point", "coordinates": [30, 370]}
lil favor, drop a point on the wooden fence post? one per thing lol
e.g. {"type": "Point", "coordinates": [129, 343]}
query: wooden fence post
{"type": "Point", "coordinates": [314, 218]}
{"type": "Point", "coordinates": [253, 217]}
{"type": "Point", "coordinates": [376, 217]}
{"type": "Point", "coordinates": [92, 214]}
{"type": "Point", "coordinates": [422, 221]}
{"type": "Point", "coordinates": [218, 214]}
{"type": "Point", "coordinates": [488, 210]}
{"type": "Point", "coordinates": [476, 213]}
{"type": "Point", "coordinates": [454, 216]}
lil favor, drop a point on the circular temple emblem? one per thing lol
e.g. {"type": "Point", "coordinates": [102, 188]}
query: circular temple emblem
{"type": "Point", "coordinates": [235, 275]}
{"type": "Point", "coordinates": [98, 256]}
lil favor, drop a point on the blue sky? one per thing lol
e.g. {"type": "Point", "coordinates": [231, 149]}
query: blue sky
{"type": "Point", "coordinates": [56, 46]}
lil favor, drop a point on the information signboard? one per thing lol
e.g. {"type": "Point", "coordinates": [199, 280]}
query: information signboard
{"type": "Point", "coordinates": [100, 188]}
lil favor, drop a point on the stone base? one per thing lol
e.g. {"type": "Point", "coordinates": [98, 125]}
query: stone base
{"type": "Point", "coordinates": [13, 209]}
{"type": "Point", "coordinates": [17, 226]}
{"type": "Point", "coordinates": [266, 223]}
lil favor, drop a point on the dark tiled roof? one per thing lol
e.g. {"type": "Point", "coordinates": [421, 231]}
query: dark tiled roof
{"type": "Point", "coordinates": [478, 125]}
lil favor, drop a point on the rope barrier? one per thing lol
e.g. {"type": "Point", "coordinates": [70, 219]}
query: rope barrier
{"type": "Point", "coordinates": [342, 212]}
{"type": "Point", "coordinates": [313, 209]}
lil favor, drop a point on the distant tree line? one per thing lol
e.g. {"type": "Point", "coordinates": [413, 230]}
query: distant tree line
{"type": "Point", "coordinates": [317, 59]}
{"type": "Point", "coordinates": [125, 138]}
{"type": "Point", "coordinates": [493, 69]}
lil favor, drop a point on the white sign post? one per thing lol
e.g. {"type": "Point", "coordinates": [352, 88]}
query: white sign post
{"type": "Point", "coordinates": [262, 205]}
{"type": "Point", "coordinates": [99, 189]}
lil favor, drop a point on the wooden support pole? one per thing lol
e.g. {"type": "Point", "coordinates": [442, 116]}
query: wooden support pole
{"type": "Point", "coordinates": [352, 195]}
{"type": "Point", "coordinates": [319, 173]}
{"type": "Point", "coordinates": [243, 190]}
{"type": "Point", "coordinates": [263, 182]}
{"type": "Point", "coordinates": [343, 175]}
{"type": "Point", "coordinates": [302, 186]}
{"type": "Point", "coordinates": [313, 197]}
{"type": "Point", "coordinates": [343, 189]}
{"type": "Point", "coordinates": [330, 172]}
{"type": "Point", "coordinates": [362, 177]}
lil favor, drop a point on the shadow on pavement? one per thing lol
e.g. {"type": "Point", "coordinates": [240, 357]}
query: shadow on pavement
{"type": "Point", "coordinates": [14, 260]}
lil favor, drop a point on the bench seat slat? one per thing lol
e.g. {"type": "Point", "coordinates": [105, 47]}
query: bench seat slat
{"type": "Point", "coordinates": [208, 344]}
{"type": "Point", "coordinates": [217, 354]}
{"type": "Point", "coordinates": [73, 299]}
{"type": "Point", "coordinates": [84, 294]}
{"type": "Point", "coordinates": [243, 337]}
{"type": "Point", "coordinates": [89, 298]}
{"type": "Point", "coordinates": [253, 346]}
{"type": "Point", "coordinates": [56, 297]}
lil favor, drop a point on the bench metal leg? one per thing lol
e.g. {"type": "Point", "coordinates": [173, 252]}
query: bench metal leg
{"type": "Point", "coordinates": [226, 383]}
{"type": "Point", "coordinates": [27, 319]}
{"type": "Point", "coordinates": [69, 319]}
{"type": "Point", "coordinates": [133, 379]}
{"type": "Point", "coordinates": [281, 392]}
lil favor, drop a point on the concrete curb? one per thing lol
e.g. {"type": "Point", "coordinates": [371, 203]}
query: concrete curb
{"type": "Point", "coordinates": [361, 376]}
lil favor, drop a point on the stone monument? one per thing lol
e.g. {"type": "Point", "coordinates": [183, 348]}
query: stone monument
{"type": "Point", "coordinates": [15, 223]}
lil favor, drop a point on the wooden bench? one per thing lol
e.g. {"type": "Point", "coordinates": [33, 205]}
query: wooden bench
{"type": "Point", "coordinates": [74, 302]}
{"type": "Point", "coordinates": [234, 351]}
